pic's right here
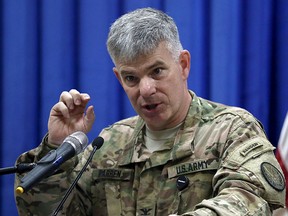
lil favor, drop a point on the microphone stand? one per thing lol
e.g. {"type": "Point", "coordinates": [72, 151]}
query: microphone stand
{"type": "Point", "coordinates": [97, 143]}
{"type": "Point", "coordinates": [19, 168]}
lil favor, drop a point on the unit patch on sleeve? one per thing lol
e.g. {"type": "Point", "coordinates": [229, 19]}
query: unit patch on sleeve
{"type": "Point", "coordinates": [273, 176]}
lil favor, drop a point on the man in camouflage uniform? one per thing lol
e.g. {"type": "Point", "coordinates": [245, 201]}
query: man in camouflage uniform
{"type": "Point", "coordinates": [183, 155]}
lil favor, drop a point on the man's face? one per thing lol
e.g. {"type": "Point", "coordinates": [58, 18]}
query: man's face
{"type": "Point", "coordinates": [156, 86]}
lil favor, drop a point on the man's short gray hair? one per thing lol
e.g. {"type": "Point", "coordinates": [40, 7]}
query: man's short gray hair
{"type": "Point", "coordinates": [140, 32]}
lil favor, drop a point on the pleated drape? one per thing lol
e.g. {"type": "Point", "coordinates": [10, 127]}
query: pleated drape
{"type": "Point", "coordinates": [239, 52]}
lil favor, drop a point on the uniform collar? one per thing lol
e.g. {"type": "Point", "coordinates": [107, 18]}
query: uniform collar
{"type": "Point", "coordinates": [183, 143]}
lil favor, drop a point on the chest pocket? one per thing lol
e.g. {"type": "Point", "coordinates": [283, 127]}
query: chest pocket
{"type": "Point", "coordinates": [192, 182]}
{"type": "Point", "coordinates": [115, 188]}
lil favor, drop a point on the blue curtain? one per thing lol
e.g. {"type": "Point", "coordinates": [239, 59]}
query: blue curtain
{"type": "Point", "coordinates": [239, 54]}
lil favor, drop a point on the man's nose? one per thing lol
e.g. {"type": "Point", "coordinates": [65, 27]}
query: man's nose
{"type": "Point", "coordinates": [147, 87]}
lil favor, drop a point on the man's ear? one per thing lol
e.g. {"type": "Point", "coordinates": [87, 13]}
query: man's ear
{"type": "Point", "coordinates": [184, 60]}
{"type": "Point", "coordinates": [117, 74]}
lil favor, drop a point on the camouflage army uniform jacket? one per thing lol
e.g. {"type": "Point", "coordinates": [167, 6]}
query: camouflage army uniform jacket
{"type": "Point", "coordinates": [219, 163]}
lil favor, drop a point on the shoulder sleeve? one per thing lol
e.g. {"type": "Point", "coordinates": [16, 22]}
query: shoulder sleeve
{"type": "Point", "coordinates": [44, 197]}
{"type": "Point", "coordinates": [249, 180]}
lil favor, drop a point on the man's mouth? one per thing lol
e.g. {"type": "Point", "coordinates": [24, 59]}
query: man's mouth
{"type": "Point", "coordinates": [151, 106]}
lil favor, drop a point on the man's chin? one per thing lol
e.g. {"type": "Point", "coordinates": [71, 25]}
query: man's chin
{"type": "Point", "coordinates": [155, 124]}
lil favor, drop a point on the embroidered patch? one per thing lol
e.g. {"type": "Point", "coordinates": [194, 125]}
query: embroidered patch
{"type": "Point", "coordinates": [145, 211]}
{"type": "Point", "coordinates": [193, 166]}
{"type": "Point", "coordinates": [116, 174]}
{"type": "Point", "coordinates": [250, 148]}
{"type": "Point", "coordinates": [273, 176]}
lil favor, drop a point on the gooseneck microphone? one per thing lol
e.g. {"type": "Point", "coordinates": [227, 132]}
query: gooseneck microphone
{"type": "Point", "coordinates": [97, 143]}
{"type": "Point", "coordinates": [49, 164]}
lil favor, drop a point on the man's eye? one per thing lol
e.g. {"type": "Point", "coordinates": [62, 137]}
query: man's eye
{"type": "Point", "coordinates": [130, 78]}
{"type": "Point", "coordinates": [157, 71]}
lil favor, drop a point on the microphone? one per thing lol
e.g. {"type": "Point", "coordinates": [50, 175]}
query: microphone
{"type": "Point", "coordinates": [97, 143]}
{"type": "Point", "coordinates": [19, 168]}
{"type": "Point", "coordinates": [49, 164]}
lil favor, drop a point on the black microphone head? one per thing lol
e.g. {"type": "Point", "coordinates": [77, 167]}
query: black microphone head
{"type": "Point", "coordinates": [98, 142]}
{"type": "Point", "coordinates": [78, 140]}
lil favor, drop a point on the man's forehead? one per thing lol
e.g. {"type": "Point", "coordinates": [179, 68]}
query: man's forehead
{"type": "Point", "coordinates": [144, 55]}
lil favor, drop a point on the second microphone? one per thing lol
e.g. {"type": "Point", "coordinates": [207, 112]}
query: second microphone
{"type": "Point", "coordinates": [50, 163]}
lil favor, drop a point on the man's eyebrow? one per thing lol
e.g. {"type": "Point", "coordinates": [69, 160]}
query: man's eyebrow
{"type": "Point", "coordinates": [149, 67]}
{"type": "Point", "coordinates": [126, 72]}
{"type": "Point", "coordinates": [155, 65]}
